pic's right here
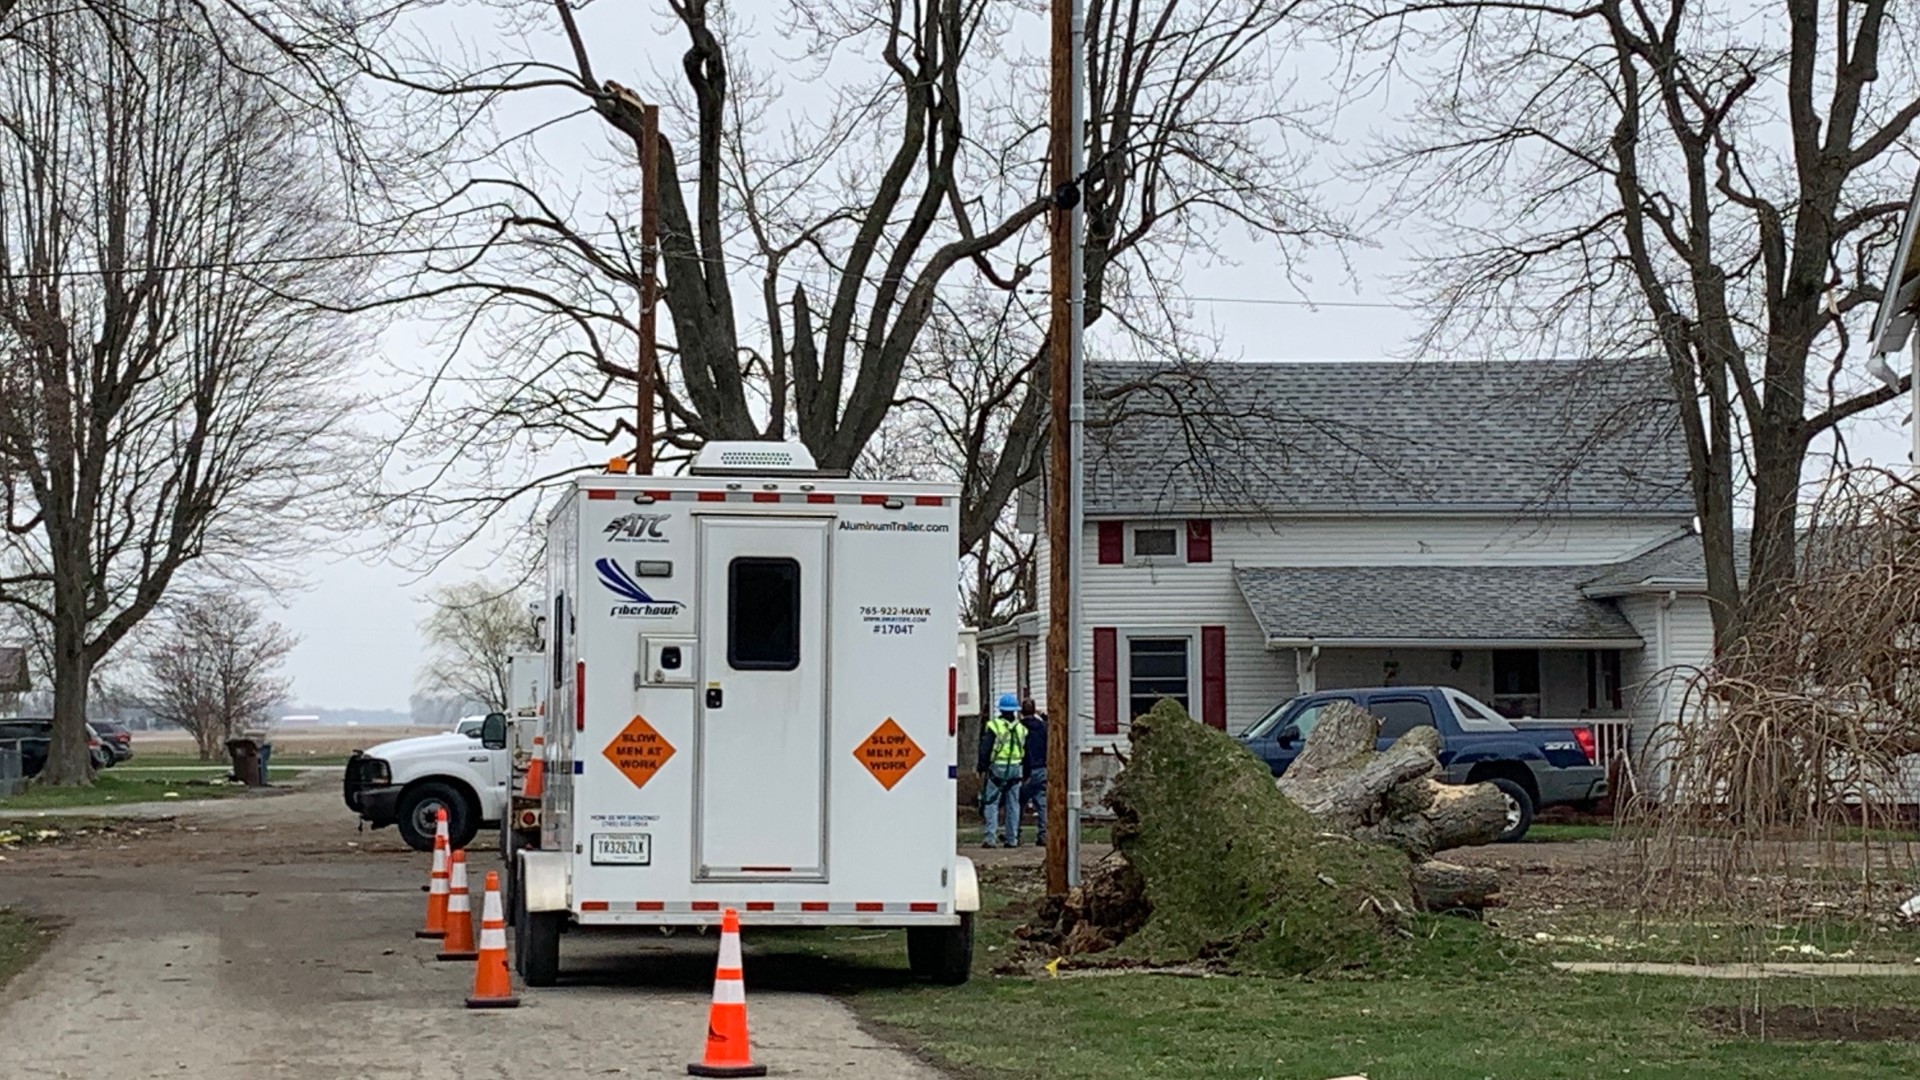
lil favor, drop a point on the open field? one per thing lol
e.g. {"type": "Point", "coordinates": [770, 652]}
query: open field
{"type": "Point", "coordinates": [289, 743]}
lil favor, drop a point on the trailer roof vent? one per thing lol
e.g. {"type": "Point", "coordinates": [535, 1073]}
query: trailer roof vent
{"type": "Point", "coordinates": [752, 458]}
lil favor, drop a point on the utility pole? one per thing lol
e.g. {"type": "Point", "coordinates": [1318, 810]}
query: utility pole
{"type": "Point", "coordinates": [649, 359]}
{"type": "Point", "coordinates": [1065, 427]}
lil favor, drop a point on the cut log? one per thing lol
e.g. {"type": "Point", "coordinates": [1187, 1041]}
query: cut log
{"type": "Point", "coordinates": [1425, 816]}
{"type": "Point", "coordinates": [1444, 886]}
{"type": "Point", "coordinates": [1391, 797]}
{"type": "Point", "coordinates": [1338, 777]}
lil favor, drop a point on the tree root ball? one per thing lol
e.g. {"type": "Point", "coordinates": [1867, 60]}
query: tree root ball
{"type": "Point", "coordinates": [1215, 862]}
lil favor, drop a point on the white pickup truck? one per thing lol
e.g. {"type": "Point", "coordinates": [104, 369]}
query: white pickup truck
{"type": "Point", "coordinates": [407, 781]}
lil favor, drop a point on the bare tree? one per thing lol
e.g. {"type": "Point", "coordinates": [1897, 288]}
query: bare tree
{"type": "Point", "coordinates": [167, 404]}
{"type": "Point", "coordinates": [212, 667]}
{"type": "Point", "coordinates": [806, 253]}
{"type": "Point", "coordinates": [475, 629]}
{"type": "Point", "coordinates": [1671, 178]}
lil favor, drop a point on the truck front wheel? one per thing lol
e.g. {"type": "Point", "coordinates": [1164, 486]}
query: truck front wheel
{"type": "Point", "coordinates": [537, 946]}
{"type": "Point", "coordinates": [943, 954]}
{"type": "Point", "coordinates": [416, 809]}
{"type": "Point", "coordinates": [1519, 810]}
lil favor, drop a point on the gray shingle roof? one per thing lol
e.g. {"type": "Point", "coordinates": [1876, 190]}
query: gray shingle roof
{"type": "Point", "coordinates": [1680, 563]}
{"type": "Point", "coordinates": [1519, 437]}
{"type": "Point", "coordinates": [1443, 605]}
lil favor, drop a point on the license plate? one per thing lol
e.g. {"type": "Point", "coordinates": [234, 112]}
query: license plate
{"type": "Point", "coordinates": [629, 849]}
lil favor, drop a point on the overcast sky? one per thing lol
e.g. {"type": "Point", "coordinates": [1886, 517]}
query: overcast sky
{"type": "Point", "coordinates": [358, 620]}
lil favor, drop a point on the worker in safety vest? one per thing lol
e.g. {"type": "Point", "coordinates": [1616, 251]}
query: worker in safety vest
{"type": "Point", "coordinates": [1003, 752]}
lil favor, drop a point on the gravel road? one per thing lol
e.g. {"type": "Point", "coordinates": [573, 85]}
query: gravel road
{"type": "Point", "coordinates": [265, 938]}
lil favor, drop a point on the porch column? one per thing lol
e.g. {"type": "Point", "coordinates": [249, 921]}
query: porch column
{"type": "Point", "coordinates": [1304, 663]}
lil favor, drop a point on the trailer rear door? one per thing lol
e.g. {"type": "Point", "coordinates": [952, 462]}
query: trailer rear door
{"type": "Point", "coordinates": [761, 804]}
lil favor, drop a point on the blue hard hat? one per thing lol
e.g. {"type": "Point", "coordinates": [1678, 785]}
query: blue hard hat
{"type": "Point", "coordinates": [1009, 703]}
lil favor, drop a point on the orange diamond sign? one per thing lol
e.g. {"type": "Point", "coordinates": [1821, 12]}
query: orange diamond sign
{"type": "Point", "coordinates": [889, 754]}
{"type": "Point", "coordinates": [638, 751]}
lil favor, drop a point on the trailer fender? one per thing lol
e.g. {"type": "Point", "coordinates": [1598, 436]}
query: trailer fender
{"type": "Point", "coordinates": [966, 885]}
{"type": "Point", "coordinates": [543, 878]}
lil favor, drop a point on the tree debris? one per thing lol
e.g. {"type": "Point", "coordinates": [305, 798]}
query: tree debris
{"type": "Point", "coordinates": [1215, 863]}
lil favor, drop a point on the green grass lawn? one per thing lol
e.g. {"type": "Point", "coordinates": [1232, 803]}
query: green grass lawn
{"type": "Point", "coordinates": [1458, 1019]}
{"type": "Point", "coordinates": [21, 939]}
{"type": "Point", "coordinates": [109, 789]}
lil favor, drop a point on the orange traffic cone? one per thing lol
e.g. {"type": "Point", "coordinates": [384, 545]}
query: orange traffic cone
{"type": "Point", "coordinates": [437, 883]}
{"type": "Point", "coordinates": [536, 770]}
{"type": "Point", "coordinates": [727, 1051]}
{"type": "Point", "coordinates": [492, 987]}
{"type": "Point", "coordinates": [459, 940]}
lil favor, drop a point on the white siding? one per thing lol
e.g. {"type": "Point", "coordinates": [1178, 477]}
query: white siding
{"type": "Point", "coordinates": [1002, 660]}
{"type": "Point", "coordinates": [1679, 638]}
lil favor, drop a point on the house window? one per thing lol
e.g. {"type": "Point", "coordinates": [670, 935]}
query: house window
{"type": "Point", "coordinates": [1603, 679]}
{"type": "Point", "coordinates": [763, 614]}
{"type": "Point", "coordinates": [1155, 542]}
{"type": "Point", "coordinates": [1516, 683]}
{"type": "Point", "coordinates": [1156, 668]}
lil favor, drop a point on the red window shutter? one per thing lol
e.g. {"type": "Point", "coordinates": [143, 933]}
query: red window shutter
{"type": "Point", "coordinates": [1106, 681]}
{"type": "Point", "coordinates": [1113, 543]}
{"type": "Point", "coordinates": [1213, 676]}
{"type": "Point", "coordinates": [1199, 540]}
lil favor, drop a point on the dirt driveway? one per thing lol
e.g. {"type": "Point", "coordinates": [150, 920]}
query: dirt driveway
{"type": "Point", "coordinates": [264, 938]}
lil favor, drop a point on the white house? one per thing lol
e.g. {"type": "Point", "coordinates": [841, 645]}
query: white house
{"type": "Point", "coordinates": [1521, 531]}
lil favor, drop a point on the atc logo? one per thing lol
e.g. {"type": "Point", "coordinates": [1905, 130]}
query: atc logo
{"type": "Point", "coordinates": [634, 601]}
{"type": "Point", "coordinates": [637, 529]}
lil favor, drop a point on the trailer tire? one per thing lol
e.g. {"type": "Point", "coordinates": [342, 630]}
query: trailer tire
{"type": "Point", "coordinates": [537, 944]}
{"type": "Point", "coordinates": [943, 954]}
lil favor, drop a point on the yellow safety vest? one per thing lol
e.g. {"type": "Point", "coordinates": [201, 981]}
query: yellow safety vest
{"type": "Point", "coordinates": [1009, 740]}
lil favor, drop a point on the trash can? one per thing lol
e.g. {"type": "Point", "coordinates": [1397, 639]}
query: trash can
{"type": "Point", "coordinates": [258, 736]}
{"type": "Point", "coordinates": [246, 761]}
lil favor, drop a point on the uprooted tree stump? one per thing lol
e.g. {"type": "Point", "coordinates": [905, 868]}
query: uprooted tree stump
{"type": "Point", "coordinates": [1216, 863]}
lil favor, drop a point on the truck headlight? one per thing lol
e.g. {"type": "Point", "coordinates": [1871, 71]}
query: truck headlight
{"type": "Point", "coordinates": [375, 771]}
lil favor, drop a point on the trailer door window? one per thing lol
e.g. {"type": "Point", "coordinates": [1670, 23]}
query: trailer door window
{"type": "Point", "coordinates": [763, 614]}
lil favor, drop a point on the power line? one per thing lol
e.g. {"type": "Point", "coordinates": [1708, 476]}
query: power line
{"type": "Point", "coordinates": [817, 273]}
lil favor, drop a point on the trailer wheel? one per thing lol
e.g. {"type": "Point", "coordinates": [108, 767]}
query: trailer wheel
{"type": "Point", "coordinates": [943, 954]}
{"type": "Point", "coordinates": [537, 943]}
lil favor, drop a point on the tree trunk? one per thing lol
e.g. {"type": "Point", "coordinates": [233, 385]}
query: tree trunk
{"type": "Point", "coordinates": [1389, 797]}
{"type": "Point", "coordinates": [1443, 886]}
{"type": "Point", "coordinates": [69, 762]}
{"type": "Point", "coordinates": [1427, 816]}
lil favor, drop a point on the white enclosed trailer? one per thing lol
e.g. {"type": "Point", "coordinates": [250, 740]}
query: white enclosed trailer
{"type": "Point", "coordinates": [751, 704]}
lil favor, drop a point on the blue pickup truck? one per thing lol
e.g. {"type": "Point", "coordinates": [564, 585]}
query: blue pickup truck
{"type": "Point", "coordinates": [1532, 767]}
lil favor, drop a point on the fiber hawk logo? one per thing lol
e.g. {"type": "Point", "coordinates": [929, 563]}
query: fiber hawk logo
{"type": "Point", "coordinates": [634, 601]}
